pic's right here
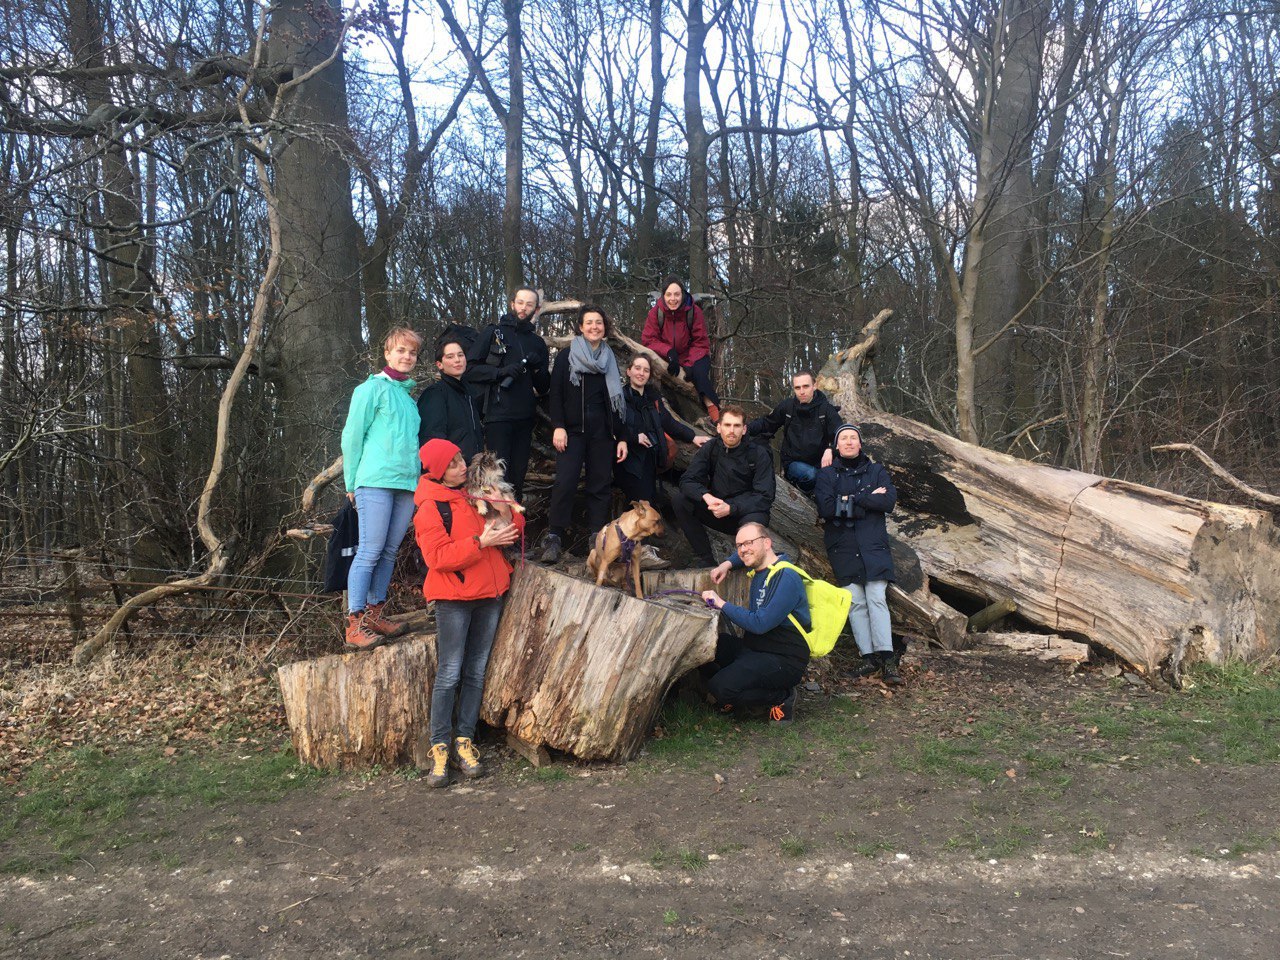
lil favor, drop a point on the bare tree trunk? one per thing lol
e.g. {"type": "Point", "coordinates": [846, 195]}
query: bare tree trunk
{"type": "Point", "coordinates": [647, 224]}
{"type": "Point", "coordinates": [698, 145]}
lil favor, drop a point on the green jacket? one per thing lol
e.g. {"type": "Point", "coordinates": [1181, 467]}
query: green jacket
{"type": "Point", "coordinates": [380, 439]}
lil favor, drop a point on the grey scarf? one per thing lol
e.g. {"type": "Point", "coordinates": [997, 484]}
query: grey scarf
{"type": "Point", "coordinates": [582, 359]}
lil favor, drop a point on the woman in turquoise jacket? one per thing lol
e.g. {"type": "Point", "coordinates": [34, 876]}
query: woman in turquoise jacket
{"type": "Point", "coordinates": [380, 467]}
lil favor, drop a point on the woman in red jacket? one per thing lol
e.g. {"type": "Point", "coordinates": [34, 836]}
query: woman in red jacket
{"type": "Point", "coordinates": [467, 576]}
{"type": "Point", "coordinates": [676, 331]}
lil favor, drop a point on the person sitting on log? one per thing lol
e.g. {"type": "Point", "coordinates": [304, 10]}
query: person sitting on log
{"type": "Point", "coordinates": [676, 330]}
{"type": "Point", "coordinates": [587, 412]}
{"type": "Point", "coordinates": [808, 421]}
{"type": "Point", "coordinates": [650, 433]}
{"type": "Point", "coordinates": [765, 664]}
{"type": "Point", "coordinates": [508, 362]}
{"type": "Point", "coordinates": [729, 482]}
{"type": "Point", "coordinates": [467, 577]}
{"type": "Point", "coordinates": [853, 496]}
{"type": "Point", "coordinates": [380, 473]}
{"type": "Point", "coordinates": [447, 408]}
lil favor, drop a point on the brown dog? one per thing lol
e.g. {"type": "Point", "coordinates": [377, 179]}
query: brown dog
{"type": "Point", "coordinates": [620, 540]}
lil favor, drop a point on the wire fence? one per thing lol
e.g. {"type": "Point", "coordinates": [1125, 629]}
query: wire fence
{"type": "Point", "coordinates": [50, 602]}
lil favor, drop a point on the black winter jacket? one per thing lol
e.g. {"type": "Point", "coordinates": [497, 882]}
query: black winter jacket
{"type": "Point", "coordinates": [572, 406]}
{"type": "Point", "coordinates": [743, 476]}
{"type": "Point", "coordinates": [647, 414]}
{"type": "Point", "coordinates": [508, 348]}
{"type": "Point", "coordinates": [857, 546]}
{"type": "Point", "coordinates": [807, 429]}
{"type": "Point", "coordinates": [447, 410]}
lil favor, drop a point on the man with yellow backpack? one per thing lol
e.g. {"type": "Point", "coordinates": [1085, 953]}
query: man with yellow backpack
{"type": "Point", "coordinates": [790, 616]}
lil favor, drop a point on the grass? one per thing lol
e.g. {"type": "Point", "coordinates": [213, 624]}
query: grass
{"type": "Point", "coordinates": [86, 799]}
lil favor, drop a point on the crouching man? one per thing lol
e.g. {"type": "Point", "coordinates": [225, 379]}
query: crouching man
{"type": "Point", "coordinates": [762, 667]}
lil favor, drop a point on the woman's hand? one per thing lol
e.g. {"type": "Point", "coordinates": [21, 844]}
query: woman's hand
{"type": "Point", "coordinates": [560, 439]}
{"type": "Point", "coordinates": [495, 536]}
{"type": "Point", "coordinates": [351, 498]}
{"type": "Point", "coordinates": [622, 450]}
{"type": "Point", "coordinates": [645, 441]}
{"type": "Point", "coordinates": [879, 490]}
{"type": "Point", "coordinates": [699, 440]}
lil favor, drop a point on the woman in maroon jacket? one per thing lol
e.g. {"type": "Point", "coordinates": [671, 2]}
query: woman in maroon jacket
{"type": "Point", "coordinates": [676, 331]}
{"type": "Point", "coordinates": [467, 577]}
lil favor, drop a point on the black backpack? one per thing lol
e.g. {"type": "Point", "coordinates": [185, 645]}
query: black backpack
{"type": "Point", "coordinates": [457, 333]}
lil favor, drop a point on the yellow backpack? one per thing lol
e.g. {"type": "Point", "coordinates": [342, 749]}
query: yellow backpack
{"type": "Point", "coordinates": [828, 609]}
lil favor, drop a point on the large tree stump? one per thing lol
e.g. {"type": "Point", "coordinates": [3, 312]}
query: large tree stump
{"type": "Point", "coordinates": [358, 710]}
{"type": "Point", "coordinates": [584, 669]}
{"type": "Point", "coordinates": [1152, 576]}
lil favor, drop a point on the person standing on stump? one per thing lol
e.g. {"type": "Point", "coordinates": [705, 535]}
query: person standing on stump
{"type": "Point", "coordinates": [508, 364]}
{"type": "Point", "coordinates": [588, 416]}
{"type": "Point", "coordinates": [676, 330]}
{"type": "Point", "coordinates": [764, 665]}
{"type": "Point", "coordinates": [467, 577]}
{"type": "Point", "coordinates": [380, 472]}
{"type": "Point", "coordinates": [853, 496]}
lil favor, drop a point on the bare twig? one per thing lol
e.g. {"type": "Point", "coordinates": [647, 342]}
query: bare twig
{"type": "Point", "coordinates": [1269, 499]}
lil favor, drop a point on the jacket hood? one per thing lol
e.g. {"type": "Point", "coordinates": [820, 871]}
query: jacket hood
{"type": "Point", "coordinates": [408, 384]}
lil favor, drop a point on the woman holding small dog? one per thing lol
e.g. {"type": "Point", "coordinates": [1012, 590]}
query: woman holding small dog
{"type": "Point", "coordinates": [588, 413]}
{"type": "Point", "coordinates": [467, 577]}
{"type": "Point", "coordinates": [648, 425]}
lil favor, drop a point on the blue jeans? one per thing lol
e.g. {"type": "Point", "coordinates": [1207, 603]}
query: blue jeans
{"type": "Point", "coordinates": [869, 617]}
{"type": "Point", "coordinates": [464, 637]}
{"type": "Point", "coordinates": [385, 515]}
{"type": "Point", "coordinates": [803, 475]}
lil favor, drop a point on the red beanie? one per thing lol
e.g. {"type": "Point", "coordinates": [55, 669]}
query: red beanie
{"type": "Point", "coordinates": [436, 455]}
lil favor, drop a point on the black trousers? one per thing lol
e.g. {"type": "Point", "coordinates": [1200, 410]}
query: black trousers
{"type": "Point", "coordinates": [637, 476]}
{"type": "Point", "coordinates": [749, 678]}
{"type": "Point", "coordinates": [595, 449]}
{"type": "Point", "coordinates": [511, 440]}
{"type": "Point", "coordinates": [693, 517]}
{"type": "Point", "coordinates": [699, 372]}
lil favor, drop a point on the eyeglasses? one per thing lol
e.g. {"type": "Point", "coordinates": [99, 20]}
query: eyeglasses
{"type": "Point", "coordinates": [747, 543]}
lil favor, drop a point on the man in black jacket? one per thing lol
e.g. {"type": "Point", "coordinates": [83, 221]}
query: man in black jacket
{"type": "Point", "coordinates": [508, 364]}
{"type": "Point", "coordinates": [446, 409]}
{"type": "Point", "coordinates": [808, 421]}
{"type": "Point", "coordinates": [728, 483]}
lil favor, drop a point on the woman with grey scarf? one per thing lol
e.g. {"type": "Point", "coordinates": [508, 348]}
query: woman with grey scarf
{"type": "Point", "coordinates": [587, 411]}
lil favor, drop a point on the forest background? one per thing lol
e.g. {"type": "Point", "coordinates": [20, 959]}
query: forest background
{"type": "Point", "coordinates": [1072, 206]}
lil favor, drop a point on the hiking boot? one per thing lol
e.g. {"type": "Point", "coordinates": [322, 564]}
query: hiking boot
{"type": "Point", "coordinates": [438, 775]}
{"type": "Point", "coordinates": [784, 712]}
{"type": "Point", "coordinates": [466, 758]}
{"type": "Point", "coordinates": [651, 560]}
{"type": "Point", "coordinates": [889, 672]}
{"type": "Point", "coordinates": [870, 665]}
{"type": "Point", "coordinates": [359, 635]}
{"type": "Point", "coordinates": [552, 548]}
{"type": "Point", "coordinates": [375, 621]}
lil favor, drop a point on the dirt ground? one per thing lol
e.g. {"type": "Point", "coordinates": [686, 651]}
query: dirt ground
{"type": "Point", "coordinates": [996, 808]}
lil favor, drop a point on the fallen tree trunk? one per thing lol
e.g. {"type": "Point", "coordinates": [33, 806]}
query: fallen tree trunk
{"type": "Point", "coordinates": [1159, 579]}
{"type": "Point", "coordinates": [583, 669]}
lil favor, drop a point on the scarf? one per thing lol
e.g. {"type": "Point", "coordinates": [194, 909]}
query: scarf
{"type": "Point", "coordinates": [582, 359]}
{"type": "Point", "coordinates": [395, 374]}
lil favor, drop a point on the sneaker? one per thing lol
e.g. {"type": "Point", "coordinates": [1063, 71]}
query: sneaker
{"type": "Point", "coordinates": [651, 560]}
{"type": "Point", "coordinates": [359, 636]}
{"type": "Point", "coordinates": [784, 712]}
{"type": "Point", "coordinates": [889, 672]}
{"type": "Point", "coordinates": [375, 621]}
{"type": "Point", "coordinates": [552, 549]}
{"type": "Point", "coordinates": [438, 775]}
{"type": "Point", "coordinates": [869, 666]}
{"type": "Point", "coordinates": [466, 758]}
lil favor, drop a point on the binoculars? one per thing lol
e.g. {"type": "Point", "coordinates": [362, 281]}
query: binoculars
{"type": "Point", "coordinates": [845, 507]}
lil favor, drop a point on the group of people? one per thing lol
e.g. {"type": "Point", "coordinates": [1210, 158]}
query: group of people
{"type": "Point", "coordinates": [405, 462]}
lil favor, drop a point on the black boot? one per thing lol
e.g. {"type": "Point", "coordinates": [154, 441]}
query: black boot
{"type": "Point", "coordinates": [551, 549]}
{"type": "Point", "coordinates": [889, 671]}
{"type": "Point", "coordinates": [871, 665]}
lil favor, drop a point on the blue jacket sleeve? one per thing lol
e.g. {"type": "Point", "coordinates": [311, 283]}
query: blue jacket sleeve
{"type": "Point", "coordinates": [784, 595]}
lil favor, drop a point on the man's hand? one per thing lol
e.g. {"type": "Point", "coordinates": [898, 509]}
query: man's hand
{"type": "Point", "coordinates": [827, 456]}
{"type": "Point", "coordinates": [560, 439]}
{"type": "Point", "coordinates": [699, 440]}
{"type": "Point", "coordinates": [879, 490]}
{"type": "Point", "coordinates": [622, 450]}
{"type": "Point", "coordinates": [713, 598]}
{"type": "Point", "coordinates": [721, 571]}
{"type": "Point", "coordinates": [720, 509]}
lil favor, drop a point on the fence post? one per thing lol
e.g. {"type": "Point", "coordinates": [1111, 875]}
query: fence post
{"type": "Point", "coordinates": [71, 585]}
